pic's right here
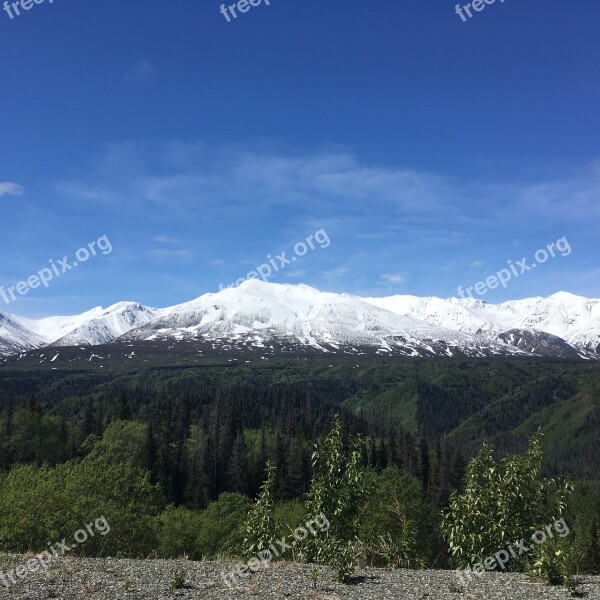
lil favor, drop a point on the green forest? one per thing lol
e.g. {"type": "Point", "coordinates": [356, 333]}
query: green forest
{"type": "Point", "coordinates": [176, 458]}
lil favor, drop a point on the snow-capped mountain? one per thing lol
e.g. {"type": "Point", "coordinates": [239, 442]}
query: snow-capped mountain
{"type": "Point", "coordinates": [261, 315]}
{"type": "Point", "coordinates": [14, 337]}
{"type": "Point", "coordinates": [574, 319]}
{"type": "Point", "coordinates": [96, 326]}
{"type": "Point", "coordinates": [256, 313]}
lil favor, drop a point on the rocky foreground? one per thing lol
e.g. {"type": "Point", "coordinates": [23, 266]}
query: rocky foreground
{"type": "Point", "coordinates": [112, 579]}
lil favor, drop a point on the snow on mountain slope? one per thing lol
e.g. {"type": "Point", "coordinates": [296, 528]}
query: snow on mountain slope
{"type": "Point", "coordinates": [15, 337]}
{"type": "Point", "coordinates": [572, 318]}
{"type": "Point", "coordinates": [470, 316]}
{"type": "Point", "coordinates": [96, 326]}
{"type": "Point", "coordinates": [258, 314]}
{"type": "Point", "coordinates": [109, 325]}
{"type": "Point", "coordinates": [266, 311]}
{"type": "Point", "coordinates": [51, 329]}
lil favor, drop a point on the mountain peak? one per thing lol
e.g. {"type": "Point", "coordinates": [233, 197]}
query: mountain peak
{"type": "Point", "coordinates": [261, 314]}
{"type": "Point", "coordinates": [566, 296]}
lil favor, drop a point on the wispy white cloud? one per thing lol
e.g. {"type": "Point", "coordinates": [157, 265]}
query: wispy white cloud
{"type": "Point", "coordinates": [477, 264]}
{"type": "Point", "coordinates": [166, 254]}
{"type": "Point", "coordinates": [395, 278]}
{"type": "Point", "coordinates": [7, 188]}
{"type": "Point", "coordinates": [165, 239]}
{"type": "Point", "coordinates": [337, 272]}
{"type": "Point", "coordinates": [142, 72]}
{"type": "Point", "coordinates": [294, 274]}
{"type": "Point", "coordinates": [243, 198]}
{"type": "Point", "coordinates": [199, 179]}
{"type": "Point", "coordinates": [180, 180]}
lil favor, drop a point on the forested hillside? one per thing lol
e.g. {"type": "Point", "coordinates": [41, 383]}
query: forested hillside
{"type": "Point", "coordinates": [225, 413]}
{"type": "Point", "coordinates": [172, 456]}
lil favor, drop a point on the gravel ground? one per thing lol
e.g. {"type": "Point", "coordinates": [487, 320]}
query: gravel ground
{"type": "Point", "coordinates": [112, 579]}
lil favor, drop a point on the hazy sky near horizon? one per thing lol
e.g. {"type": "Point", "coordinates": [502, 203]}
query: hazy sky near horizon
{"type": "Point", "coordinates": [431, 150]}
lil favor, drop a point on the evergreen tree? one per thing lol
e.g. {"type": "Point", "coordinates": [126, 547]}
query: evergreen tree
{"type": "Point", "coordinates": [238, 467]}
{"type": "Point", "coordinates": [296, 470]}
{"type": "Point", "coordinates": [122, 409]}
{"type": "Point", "coordinates": [424, 464]}
{"type": "Point", "coordinates": [207, 470]}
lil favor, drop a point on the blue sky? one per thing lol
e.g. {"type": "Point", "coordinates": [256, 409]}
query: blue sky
{"type": "Point", "coordinates": [432, 151]}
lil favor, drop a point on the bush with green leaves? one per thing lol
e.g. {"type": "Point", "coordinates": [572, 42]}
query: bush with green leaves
{"type": "Point", "coordinates": [503, 501]}
{"type": "Point", "coordinates": [397, 524]}
{"type": "Point", "coordinates": [337, 492]}
{"type": "Point", "coordinates": [554, 560]}
{"type": "Point", "coordinates": [177, 580]}
{"type": "Point", "coordinates": [177, 532]}
{"type": "Point", "coordinates": [41, 504]}
{"type": "Point", "coordinates": [122, 441]}
{"type": "Point", "coordinates": [261, 528]}
{"type": "Point", "coordinates": [216, 532]}
{"type": "Point", "coordinates": [222, 527]}
{"type": "Point", "coordinates": [289, 515]}
{"type": "Point", "coordinates": [584, 516]}
{"type": "Point", "coordinates": [560, 558]}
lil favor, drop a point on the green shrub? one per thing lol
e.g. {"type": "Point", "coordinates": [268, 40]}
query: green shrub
{"type": "Point", "coordinates": [584, 515]}
{"type": "Point", "coordinates": [396, 522]}
{"type": "Point", "coordinates": [222, 527]}
{"type": "Point", "coordinates": [261, 527]}
{"type": "Point", "coordinates": [123, 441]}
{"type": "Point", "coordinates": [554, 560]}
{"type": "Point", "coordinates": [177, 530]}
{"type": "Point", "coordinates": [289, 515]}
{"type": "Point", "coordinates": [38, 505]}
{"type": "Point", "coordinates": [337, 491]}
{"type": "Point", "coordinates": [503, 501]}
{"type": "Point", "coordinates": [177, 580]}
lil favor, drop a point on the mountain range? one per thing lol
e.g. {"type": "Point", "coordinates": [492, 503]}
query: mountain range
{"type": "Point", "coordinates": [269, 317]}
